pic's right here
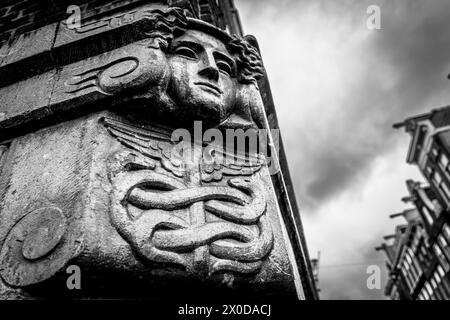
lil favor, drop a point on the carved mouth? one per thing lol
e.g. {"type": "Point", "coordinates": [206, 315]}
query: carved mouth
{"type": "Point", "coordinates": [208, 85]}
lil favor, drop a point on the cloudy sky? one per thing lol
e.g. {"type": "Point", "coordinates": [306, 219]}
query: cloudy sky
{"type": "Point", "coordinates": [338, 88]}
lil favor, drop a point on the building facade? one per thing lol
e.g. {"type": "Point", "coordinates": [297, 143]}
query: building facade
{"type": "Point", "coordinates": [105, 164]}
{"type": "Point", "coordinates": [419, 251]}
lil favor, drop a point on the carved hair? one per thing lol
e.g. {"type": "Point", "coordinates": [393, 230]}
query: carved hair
{"type": "Point", "coordinates": [165, 25]}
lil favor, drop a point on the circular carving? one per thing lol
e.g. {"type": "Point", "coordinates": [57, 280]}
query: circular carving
{"type": "Point", "coordinates": [31, 252]}
{"type": "Point", "coordinates": [50, 229]}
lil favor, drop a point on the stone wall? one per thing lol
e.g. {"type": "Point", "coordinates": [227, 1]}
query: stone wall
{"type": "Point", "coordinates": [86, 111]}
{"type": "Point", "coordinates": [18, 17]}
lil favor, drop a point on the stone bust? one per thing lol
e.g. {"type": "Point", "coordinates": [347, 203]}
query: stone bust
{"type": "Point", "coordinates": [191, 71]}
{"type": "Point", "coordinates": [114, 194]}
{"type": "Point", "coordinates": [203, 82]}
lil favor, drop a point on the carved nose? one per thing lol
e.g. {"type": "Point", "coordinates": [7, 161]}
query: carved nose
{"type": "Point", "coordinates": [210, 72]}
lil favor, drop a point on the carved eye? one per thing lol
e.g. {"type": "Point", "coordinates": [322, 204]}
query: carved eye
{"type": "Point", "coordinates": [225, 67]}
{"type": "Point", "coordinates": [186, 52]}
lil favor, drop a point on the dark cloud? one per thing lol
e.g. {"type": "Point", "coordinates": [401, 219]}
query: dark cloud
{"type": "Point", "coordinates": [411, 52]}
{"type": "Point", "coordinates": [335, 172]}
{"type": "Point", "coordinates": [414, 45]}
{"type": "Point", "coordinates": [344, 281]}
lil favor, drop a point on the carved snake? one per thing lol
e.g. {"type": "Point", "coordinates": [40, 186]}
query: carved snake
{"type": "Point", "coordinates": [246, 212]}
{"type": "Point", "coordinates": [135, 189]}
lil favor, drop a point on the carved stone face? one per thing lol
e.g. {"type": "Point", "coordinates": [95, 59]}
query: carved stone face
{"type": "Point", "coordinates": [203, 82]}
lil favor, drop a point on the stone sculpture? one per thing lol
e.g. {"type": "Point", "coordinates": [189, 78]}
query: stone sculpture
{"type": "Point", "coordinates": [120, 195]}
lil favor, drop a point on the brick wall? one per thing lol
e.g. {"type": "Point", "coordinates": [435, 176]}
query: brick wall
{"type": "Point", "coordinates": [18, 17]}
{"type": "Point", "coordinates": [21, 16]}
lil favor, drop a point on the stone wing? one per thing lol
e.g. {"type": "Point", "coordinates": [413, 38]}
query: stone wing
{"type": "Point", "coordinates": [154, 143]}
{"type": "Point", "coordinates": [223, 164]}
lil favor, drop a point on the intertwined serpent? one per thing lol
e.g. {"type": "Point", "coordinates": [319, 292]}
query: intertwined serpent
{"type": "Point", "coordinates": [160, 236]}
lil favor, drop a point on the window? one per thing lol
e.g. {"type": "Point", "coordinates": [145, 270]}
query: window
{"type": "Point", "coordinates": [429, 290]}
{"type": "Point", "coordinates": [436, 291]}
{"type": "Point", "coordinates": [447, 170]}
{"type": "Point", "coordinates": [440, 271]}
{"type": "Point", "coordinates": [416, 239]}
{"type": "Point", "coordinates": [443, 161]}
{"type": "Point", "coordinates": [406, 277]}
{"type": "Point", "coordinates": [433, 283]}
{"type": "Point", "coordinates": [434, 153]}
{"type": "Point", "coordinates": [415, 273]}
{"type": "Point", "coordinates": [441, 257]}
{"type": "Point", "coordinates": [437, 277]}
{"type": "Point", "coordinates": [441, 287]}
{"type": "Point", "coordinates": [440, 184]}
{"type": "Point", "coordinates": [445, 281]}
{"type": "Point", "coordinates": [423, 255]}
{"type": "Point", "coordinates": [444, 246]}
{"type": "Point", "coordinates": [427, 215]}
{"type": "Point", "coordinates": [437, 178]}
{"type": "Point", "coordinates": [428, 171]}
{"type": "Point", "coordinates": [446, 232]}
{"type": "Point", "coordinates": [415, 264]}
{"type": "Point", "coordinates": [425, 294]}
{"type": "Point", "coordinates": [443, 186]}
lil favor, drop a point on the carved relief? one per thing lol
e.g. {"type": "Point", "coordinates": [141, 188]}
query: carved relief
{"type": "Point", "coordinates": [172, 208]}
{"type": "Point", "coordinates": [169, 213]}
{"type": "Point", "coordinates": [36, 247]}
{"type": "Point", "coordinates": [134, 64]}
{"type": "Point", "coordinates": [124, 68]}
{"type": "Point", "coordinates": [142, 16]}
{"type": "Point", "coordinates": [184, 70]}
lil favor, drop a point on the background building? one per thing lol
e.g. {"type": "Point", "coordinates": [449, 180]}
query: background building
{"type": "Point", "coordinates": [419, 250]}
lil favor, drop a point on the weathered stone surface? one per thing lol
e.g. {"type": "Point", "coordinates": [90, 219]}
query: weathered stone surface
{"type": "Point", "coordinates": [54, 45]}
{"type": "Point", "coordinates": [28, 55]}
{"type": "Point", "coordinates": [80, 170]}
{"type": "Point", "coordinates": [2, 151]}
{"type": "Point", "coordinates": [117, 195]}
{"type": "Point", "coordinates": [123, 69]}
{"type": "Point", "coordinates": [45, 161]}
{"type": "Point", "coordinates": [31, 43]}
{"type": "Point", "coordinates": [26, 100]}
{"type": "Point", "coordinates": [4, 50]}
{"type": "Point", "coordinates": [89, 28]}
